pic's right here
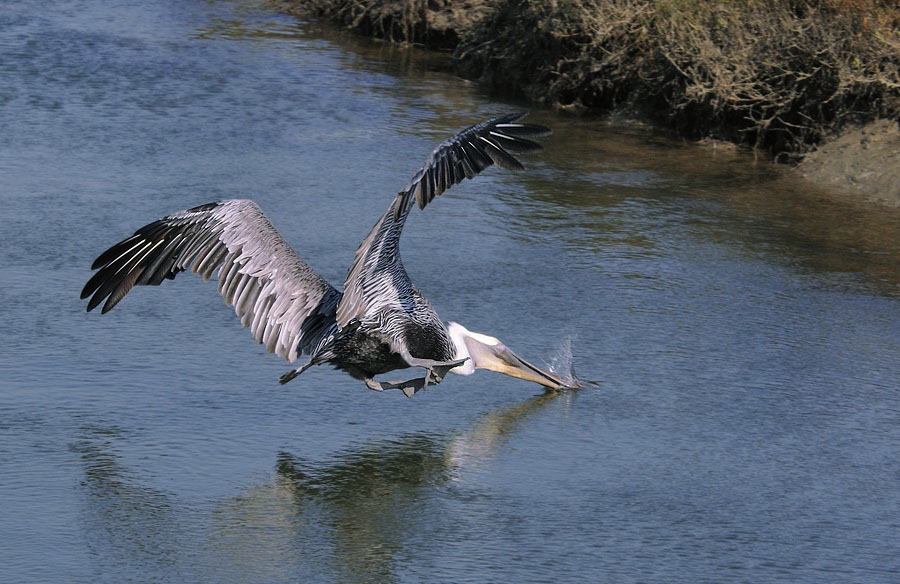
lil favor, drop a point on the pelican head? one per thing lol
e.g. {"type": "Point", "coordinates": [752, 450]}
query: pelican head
{"type": "Point", "coordinates": [486, 352]}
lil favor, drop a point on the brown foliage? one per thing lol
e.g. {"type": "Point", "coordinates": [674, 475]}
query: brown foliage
{"type": "Point", "coordinates": [775, 75]}
{"type": "Point", "coordinates": [436, 24]}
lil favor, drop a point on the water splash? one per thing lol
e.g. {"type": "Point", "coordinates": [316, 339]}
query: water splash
{"type": "Point", "coordinates": [562, 365]}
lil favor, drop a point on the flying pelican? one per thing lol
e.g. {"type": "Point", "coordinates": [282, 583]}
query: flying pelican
{"type": "Point", "coordinates": [378, 324]}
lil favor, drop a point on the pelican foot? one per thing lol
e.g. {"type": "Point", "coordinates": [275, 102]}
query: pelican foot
{"type": "Point", "coordinates": [434, 374]}
{"type": "Point", "coordinates": [408, 386]}
{"type": "Point", "coordinates": [436, 370]}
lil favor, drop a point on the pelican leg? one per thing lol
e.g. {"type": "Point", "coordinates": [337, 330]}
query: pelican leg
{"type": "Point", "coordinates": [431, 363]}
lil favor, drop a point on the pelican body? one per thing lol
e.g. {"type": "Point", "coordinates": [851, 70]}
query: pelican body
{"type": "Point", "coordinates": [379, 323]}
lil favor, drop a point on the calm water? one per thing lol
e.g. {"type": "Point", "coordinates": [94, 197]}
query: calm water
{"type": "Point", "coordinates": [745, 331]}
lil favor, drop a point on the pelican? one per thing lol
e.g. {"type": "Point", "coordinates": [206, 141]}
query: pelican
{"type": "Point", "coordinates": [379, 323]}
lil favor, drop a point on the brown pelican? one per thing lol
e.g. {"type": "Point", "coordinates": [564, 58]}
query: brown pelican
{"type": "Point", "coordinates": [379, 323]}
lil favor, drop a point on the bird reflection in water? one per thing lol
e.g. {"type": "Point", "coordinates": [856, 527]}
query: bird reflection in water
{"type": "Point", "coordinates": [122, 521]}
{"type": "Point", "coordinates": [368, 509]}
{"type": "Point", "coordinates": [355, 518]}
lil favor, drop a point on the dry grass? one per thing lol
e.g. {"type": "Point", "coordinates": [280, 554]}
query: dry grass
{"type": "Point", "coordinates": [436, 24]}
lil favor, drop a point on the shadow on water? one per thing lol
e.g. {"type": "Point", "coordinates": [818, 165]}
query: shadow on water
{"type": "Point", "coordinates": [354, 517]}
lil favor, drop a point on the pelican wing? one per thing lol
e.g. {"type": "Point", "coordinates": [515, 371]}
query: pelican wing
{"type": "Point", "coordinates": [286, 304]}
{"type": "Point", "coordinates": [377, 275]}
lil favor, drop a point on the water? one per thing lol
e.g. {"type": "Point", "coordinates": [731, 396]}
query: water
{"type": "Point", "coordinates": [743, 328]}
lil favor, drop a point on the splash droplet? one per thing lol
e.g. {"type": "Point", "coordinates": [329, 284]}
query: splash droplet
{"type": "Point", "coordinates": [562, 365]}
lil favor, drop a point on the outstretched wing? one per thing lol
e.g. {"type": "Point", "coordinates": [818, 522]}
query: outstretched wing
{"type": "Point", "coordinates": [377, 276]}
{"type": "Point", "coordinates": [286, 304]}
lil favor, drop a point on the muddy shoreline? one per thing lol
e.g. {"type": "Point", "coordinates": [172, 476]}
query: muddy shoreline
{"type": "Point", "coordinates": [815, 85]}
{"type": "Point", "coordinates": [863, 162]}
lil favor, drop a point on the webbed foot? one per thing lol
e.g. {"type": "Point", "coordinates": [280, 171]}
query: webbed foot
{"type": "Point", "coordinates": [434, 374]}
{"type": "Point", "coordinates": [436, 370]}
{"type": "Point", "coordinates": [408, 386]}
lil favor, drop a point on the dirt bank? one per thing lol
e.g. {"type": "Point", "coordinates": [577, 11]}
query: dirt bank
{"type": "Point", "coordinates": [864, 161]}
{"type": "Point", "coordinates": [784, 77]}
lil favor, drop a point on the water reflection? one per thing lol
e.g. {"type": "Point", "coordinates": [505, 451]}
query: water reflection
{"type": "Point", "coordinates": [124, 522]}
{"type": "Point", "coordinates": [641, 193]}
{"type": "Point", "coordinates": [360, 514]}
{"type": "Point", "coordinates": [383, 500]}
{"type": "Point", "coordinates": [364, 500]}
{"type": "Point", "coordinates": [247, 29]}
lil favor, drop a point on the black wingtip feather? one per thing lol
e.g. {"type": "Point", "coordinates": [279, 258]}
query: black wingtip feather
{"type": "Point", "coordinates": [525, 130]}
{"type": "Point", "coordinates": [514, 144]}
{"type": "Point", "coordinates": [500, 157]}
{"type": "Point", "coordinates": [468, 153]}
{"type": "Point", "coordinates": [115, 251]}
{"type": "Point", "coordinates": [92, 285]}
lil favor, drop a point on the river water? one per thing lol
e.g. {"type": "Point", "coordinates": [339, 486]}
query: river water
{"type": "Point", "coordinates": [743, 328]}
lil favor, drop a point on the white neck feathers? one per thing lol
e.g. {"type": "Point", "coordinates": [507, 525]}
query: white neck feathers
{"type": "Point", "coordinates": [459, 334]}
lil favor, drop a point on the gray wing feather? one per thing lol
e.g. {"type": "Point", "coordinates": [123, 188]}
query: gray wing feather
{"type": "Point", "coordinates": [377, 277]}
{"type": "Point", "coordinates": [287, 305]}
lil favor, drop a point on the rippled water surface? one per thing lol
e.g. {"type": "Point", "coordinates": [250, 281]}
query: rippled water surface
{"type": "Point", "coordinates": [744, 330]}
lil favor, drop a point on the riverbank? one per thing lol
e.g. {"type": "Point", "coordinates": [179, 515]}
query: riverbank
{"type": "Point", "coordinates": [785, 78]}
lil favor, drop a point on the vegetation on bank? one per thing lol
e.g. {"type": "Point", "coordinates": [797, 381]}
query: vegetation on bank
{"type": "Point", "coordinates": [778, 75]}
